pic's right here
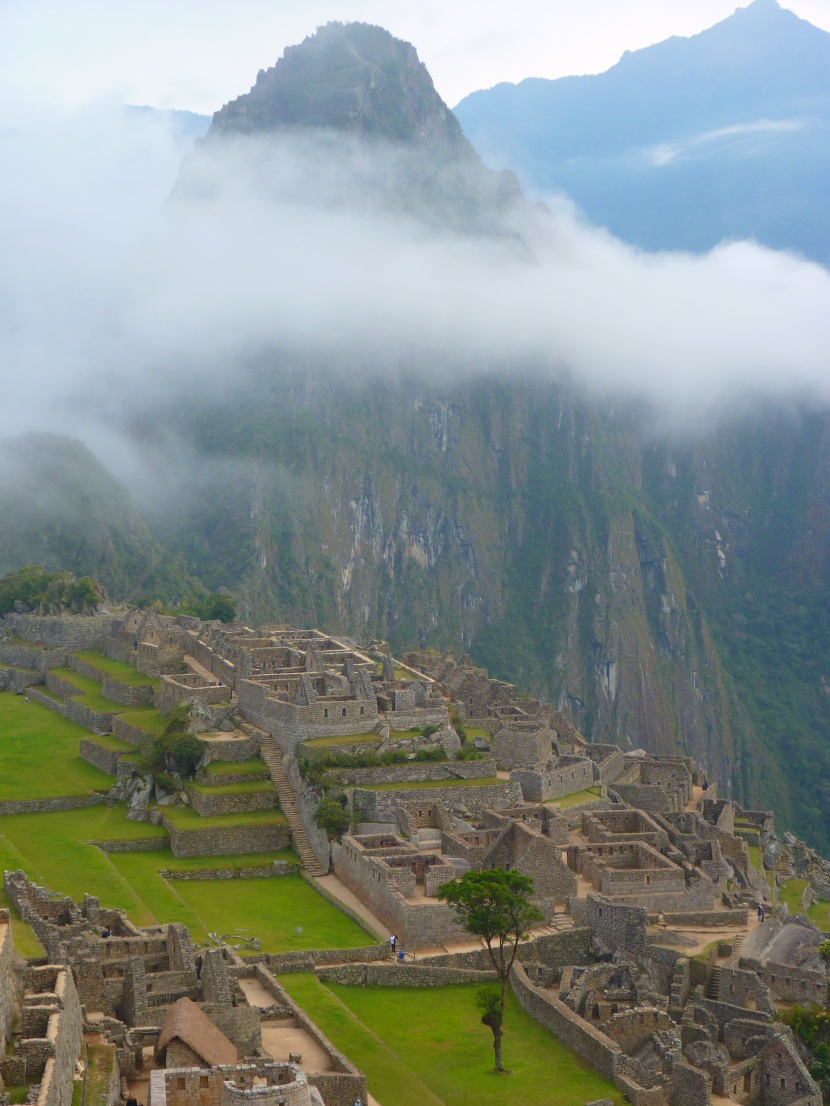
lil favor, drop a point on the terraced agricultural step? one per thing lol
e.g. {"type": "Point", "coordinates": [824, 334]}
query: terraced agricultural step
{"type": "Point", "coordinates": [272, 755]}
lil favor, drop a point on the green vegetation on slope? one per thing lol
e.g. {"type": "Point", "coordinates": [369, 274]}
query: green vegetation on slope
{"type": "Point", "coordinates": [407, 1038]}
{"type": "Point", "coordinates": [39, 753]}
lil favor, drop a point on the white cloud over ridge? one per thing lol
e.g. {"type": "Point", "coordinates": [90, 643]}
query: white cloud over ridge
{"type": "Point", "coordinates": [113, 300]}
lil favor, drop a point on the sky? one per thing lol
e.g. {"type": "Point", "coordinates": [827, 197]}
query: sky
{"type": "Point", "coordinates": [197, 54]}
{"type": "Point", "coordinates": [112, 299]}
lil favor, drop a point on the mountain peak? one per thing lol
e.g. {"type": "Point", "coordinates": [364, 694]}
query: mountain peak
{"type": "Point", "coordinates": [350, 77]}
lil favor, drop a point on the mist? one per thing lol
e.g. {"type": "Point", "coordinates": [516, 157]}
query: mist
{"type": "Point", "coordinates": [118, 301]}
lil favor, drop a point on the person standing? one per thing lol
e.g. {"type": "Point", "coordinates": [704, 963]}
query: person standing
{"type": "Point", "coordinates": [393, 941]}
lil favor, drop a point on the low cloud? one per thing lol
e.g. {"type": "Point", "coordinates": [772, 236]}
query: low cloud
{"type": "Point", "coordinates": [116, 301]}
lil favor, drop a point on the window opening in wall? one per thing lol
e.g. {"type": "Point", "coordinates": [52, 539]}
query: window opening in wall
{"type": "Point", "coordinates": [203, 1081]}
{"type": "Point", "coordinates": [343, 711]}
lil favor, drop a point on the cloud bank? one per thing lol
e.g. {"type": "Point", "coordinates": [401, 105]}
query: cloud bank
{"type": "Point", "coordinates": [115, 301]}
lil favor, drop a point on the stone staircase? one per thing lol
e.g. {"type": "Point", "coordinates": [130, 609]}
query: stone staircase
{"type": "Point", "coordinates": [713, 989]}
{"type": "Point", "coordinates": [272, 754]}
{"type": "Point", "coordinates": [732, 960]}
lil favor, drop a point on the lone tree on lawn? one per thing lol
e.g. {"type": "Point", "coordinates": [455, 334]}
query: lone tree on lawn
{"type": "Point", "coordinates": [495, 905]}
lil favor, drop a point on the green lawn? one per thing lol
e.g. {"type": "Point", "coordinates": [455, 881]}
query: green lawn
{"type": "Point", "coordinates": [248, 788]}
{"type": "Point", "coordinates": [89, 692]}
{"type": "Point", "coordinates": [420, 1046]}
{"type": "Point", "coordinates": [416, 785]}
{"type": "Point", "coordinates": [23, 936]}
{"type": "Point", "coordinates": [52, 849]}
{"type": "Point", "coordinates": [145, 718]}
{"type": "Point", "coordinates": [577, 797]}
{"type": "Point", "coordinates": [39, 753]}
{"type": "Point", "coordinates": [791, 892]}
{"type": "Point", "coordinates": [185, 818]}
{"type": "Point", "coordinates": [346, 739]}
{"type": "Point", "coordinates": [272, 910]}
{"type": "Point", "coordinates": [110, 741]}
{"type": "Point", "coordinates": [124, 673]}
{"type": "Point", "coordinates": [228, 767]}
{"type": "Point", "coordinates": [819, 914]}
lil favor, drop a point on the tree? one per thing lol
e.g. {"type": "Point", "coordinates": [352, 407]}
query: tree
{"type": "Point", "coordinates": [332, 816]}
{"type": "Point", "coordinates": [494, 905]}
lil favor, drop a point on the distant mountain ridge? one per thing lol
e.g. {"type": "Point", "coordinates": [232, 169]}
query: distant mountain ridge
{"type": "Point", "coordinates": [683, 144]}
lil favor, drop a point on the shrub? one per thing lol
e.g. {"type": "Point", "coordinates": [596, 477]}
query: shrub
{"type": "Point", "coordinates": [431, 755]}
{"type": "Point", "coordinates": [333, 816]}
{"type": "Point", "coordinates": [184, 751]}
{"type": "Point", "coordinates": [469, 752]}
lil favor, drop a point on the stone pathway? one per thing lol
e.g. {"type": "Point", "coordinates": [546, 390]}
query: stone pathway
{"type": "Point", "coordinates": [340, 891]}
{"type": "Point", "coordinates": [272, 755]}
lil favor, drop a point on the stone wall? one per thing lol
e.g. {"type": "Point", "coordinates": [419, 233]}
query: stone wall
{"type": "Point", "coordinates": [140, 695]}
{"type": "Point", "coordinates": [618, 927]}
{"type": "Point", "coordinates": [22, 654]}
{"type": "Point", "coordinates": [216, 840]}
{"type": "Point", "coordinates": [68, 632]}
{"type": "Point", "coordinates": [142, 739]}
{"type": "Point", "coordinates": [97, 721]}
{"type": "Point", "coordinates": [307, 800]}
{"type": "Point", "coordinates": [43, 806]}
{"type": "Point", "coordinates": [265, 871]}
{"type": "Point", "coordinates": [401, 974]}
{"type": "Point", "coordinates": [689, 1086]}
{"type": "Point", "coordinates": [231, 748]}
{"type": "Point", "coordinates": [64, 1036]}
{"type": "Point", "coordinates": [7, 983]}
{"type": "Point", "coordinates": [588, 1042]}
{"type": "Point", "coordinates": [789, 983]}
{"type": "Point", "coordinates": [211, 802]}
{"type": "Point", "coordinates": [101, 757]}
{"type": "Point", "coordinates": [344, 1084]}
{"type": "Point", "coordinates": [188, 688]}
{"type": "Point", "coordinates": [417, 926]}
{"type": "Point", "coordinates": [414, 771]}
{"type": "Point", "coordinates": [569, 775]}
{"type": "Point", "coordinates": [376, 806]}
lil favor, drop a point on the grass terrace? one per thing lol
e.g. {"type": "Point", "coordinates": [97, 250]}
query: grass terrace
{"type": "Point", "coordinates": [110, 741]}
{"type": "Point", "coordinates": [185, 818]}
{"type": "Point", "coordinates": [39, 753]}
{"type": "Point", "coordinates": [248, 788]}
{"type": "Point", "coordinates": [346, 739]}
{"type": "Point", "coordinates": [90, 694]}
{"type": "Point", "coordinates": [419, 785]}
{"type": "Point", "coordinates": [117, 670]}
{"type": "Point", "coordinates": [422, 1047]}
{"type": "Point", "coordinates": [221, 768]}
{"type": "Point", "coordinates": [23, 936]}
{"type": "Point", "coordinates": [819, 915]}
{"type": "Point", "coordinates": [145, 718]}
{"type": "Point", "coordinates": [274, 910]}
{"type": "Point", "coordinates": [577, 797]}
{"type": "Point", "coordinates": [55, 850]}
{"type": "Point", "coordinates": [791, 892]}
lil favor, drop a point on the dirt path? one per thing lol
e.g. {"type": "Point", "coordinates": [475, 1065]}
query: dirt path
{"type": "Point", "coordinates": [340, 891]}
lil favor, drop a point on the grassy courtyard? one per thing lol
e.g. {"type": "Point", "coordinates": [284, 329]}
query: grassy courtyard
{"type": "Point", "coordinates": [124, 673]}
{"type": "Point", "coordinates": [54, 850]}
{"type": "Point", "coordinates": [427, 1047]}
{"type": "Point", "coordinates": [39, 753]}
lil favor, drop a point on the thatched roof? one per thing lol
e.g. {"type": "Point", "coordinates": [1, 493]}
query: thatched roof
{"type": "Point", "coordinates": [194, 1028]}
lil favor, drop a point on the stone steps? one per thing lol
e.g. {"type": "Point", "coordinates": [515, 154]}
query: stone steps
{"type": "Point", "coordinates": [713, 989]}
{"type": "Point", "coordinates": [272, 755]}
